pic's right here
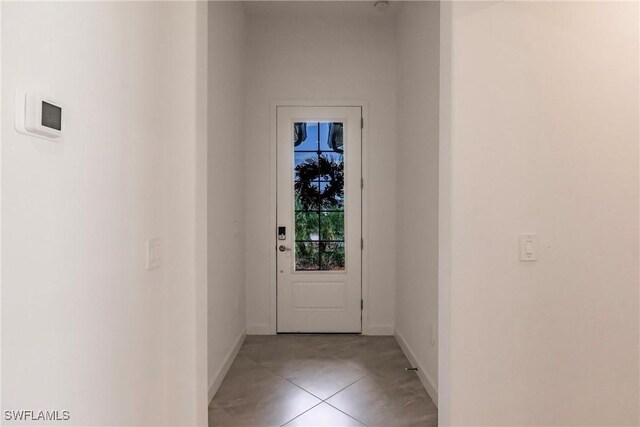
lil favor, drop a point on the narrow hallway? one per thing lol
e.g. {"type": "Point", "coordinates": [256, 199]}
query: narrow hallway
{"type": "Point", "coordinates": [308, 380]}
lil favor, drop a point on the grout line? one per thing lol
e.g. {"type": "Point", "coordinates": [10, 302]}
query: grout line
{"type": "Point", "coordinates": [325, 401]}
{"type": "Point", "coordinates": [286, 379]}
{"type": "Point", "coordinates": [292, 383]}
{"type": "Point", "coordinates": [302, 413]}
{"type": "Point", "coordinates": [348, 415]}
{"type": "Point", "coordinates": [303, 389]}
{"type": "Point", "coordinates": [339, 391]}
{"type": "Point", "coordinates": [300, 387]}
{"type": "Point", "coordinates": [342, 389]}
{"type": "Point", "coordinates": [367, 373]}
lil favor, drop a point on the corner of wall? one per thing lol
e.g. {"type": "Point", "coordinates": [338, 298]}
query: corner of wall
{"type": "Point", "coordinates": [429, 385]}
{"type": "Point", "coordinates": [216, 380]}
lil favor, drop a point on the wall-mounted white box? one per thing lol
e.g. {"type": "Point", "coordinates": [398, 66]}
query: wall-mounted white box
{"type": "Point", "coordinates": [38, 115]}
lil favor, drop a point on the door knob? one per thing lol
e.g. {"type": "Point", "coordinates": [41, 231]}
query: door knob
{"type": "Point", "coordinates": [283, 248]}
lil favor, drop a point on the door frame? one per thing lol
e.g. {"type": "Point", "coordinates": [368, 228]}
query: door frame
{"type": "Point", "coordinates": [273, 202]}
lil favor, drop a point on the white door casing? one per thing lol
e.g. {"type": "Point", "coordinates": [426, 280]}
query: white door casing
{"type": "Point", "coordinates": [319, 284]}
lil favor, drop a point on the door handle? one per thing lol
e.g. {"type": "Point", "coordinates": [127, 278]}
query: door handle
{"type": "Point", "coordinates": [283, 248]}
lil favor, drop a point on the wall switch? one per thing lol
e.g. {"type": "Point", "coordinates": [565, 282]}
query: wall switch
{"type": "Point", "coordinates": [154, 259]}
{"type": "Point", "coordinates": [528, 247]}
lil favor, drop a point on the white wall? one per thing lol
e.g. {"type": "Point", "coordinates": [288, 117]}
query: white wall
{"type": "Point", "coordinates": [544, 138]}
{"type": "Point", "coordinates": [417, 41]}
{"type": "Point", "coordinates": [85, 327]}
{"type": "Point", "coordinates": [320, 52]}
{"type": "Point", "coordinates": [226, 186]}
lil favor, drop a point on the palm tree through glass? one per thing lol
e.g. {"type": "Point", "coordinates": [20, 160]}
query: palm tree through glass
{"type": "Point", "coordinates": [319, 196]}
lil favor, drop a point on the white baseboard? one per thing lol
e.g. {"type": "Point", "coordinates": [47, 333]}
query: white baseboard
{"type": "Point", "coordinates": [259, 330]}
{"type": "Point", "coordinates": [422, 374]}
{"type": "Point", "coordinates": [215, 382]}
{"type": "Point", "coordinates": [380, 330]}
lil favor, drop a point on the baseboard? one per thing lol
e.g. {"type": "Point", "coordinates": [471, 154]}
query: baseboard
{"type": "Point", "coordinates": [422, 374]}
{"type": "Point", "coordinates": [379, 330]}
{"type": "Point", "coordinates": [259, 330]}
{"type": "Point", "coordinates": [219, 377]}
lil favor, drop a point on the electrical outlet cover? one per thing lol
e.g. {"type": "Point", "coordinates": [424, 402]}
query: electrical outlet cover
{"type": "Point", "coordinates": [154, 259]}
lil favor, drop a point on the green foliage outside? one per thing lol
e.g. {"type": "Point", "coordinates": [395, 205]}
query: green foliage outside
{"type": "Point", "coordinates": [315, 222]}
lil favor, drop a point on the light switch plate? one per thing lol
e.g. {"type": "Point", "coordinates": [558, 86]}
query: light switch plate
{"type": "Point", "coordinates": [154, 258]}
{"type": "Point", "coordinates": [528, 247]}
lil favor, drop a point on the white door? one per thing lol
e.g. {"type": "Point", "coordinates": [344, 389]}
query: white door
{"type": "Point", "coordinates": [319, 217]}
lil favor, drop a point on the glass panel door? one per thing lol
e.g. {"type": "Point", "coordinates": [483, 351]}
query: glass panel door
{"type": "Point", "coordinates": [318, 227]}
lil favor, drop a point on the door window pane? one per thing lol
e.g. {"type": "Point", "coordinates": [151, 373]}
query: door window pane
{"type": "Point", "coordinates": [305, 136]}
{"type": "Point", "coordinates": [307, 226]}
{"type": "Point", "coordinates": [307, 256]}
{"type": "Point", "coordinates": [308, 195]}
{"type": "Point", "coordinates": [331, 137]}
{"type": "Point", "coordinates": [332, 256]}
{"type": "Point", "coordinates": [332, 226]}
{"type": "Point", "coordinates": [308, 162]}
{"type": "Point", "coordinates": [319, 196]}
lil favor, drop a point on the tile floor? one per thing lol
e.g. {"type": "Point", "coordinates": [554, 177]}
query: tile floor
{"type": "Point", "coordinates": [321, 380]}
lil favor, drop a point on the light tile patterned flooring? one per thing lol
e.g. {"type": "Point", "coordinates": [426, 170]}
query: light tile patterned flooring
{"type": "Point", "coordinates": [321, 380]}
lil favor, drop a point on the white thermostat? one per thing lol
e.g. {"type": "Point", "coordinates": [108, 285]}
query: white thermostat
{"type": "Point", "coordinates": [38, 115]}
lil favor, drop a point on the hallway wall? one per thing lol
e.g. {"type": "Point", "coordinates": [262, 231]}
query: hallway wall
{"type": "Point", "coordinates": [85, 327]}
{"type": "Point", "coordinates": [226, 186]}
{"type": "Point", "coordinates": [325, 52]}
{"type": "Point", "coordinates": [544, 108]}
{"type": "Point", "coordinates": [417, 41]}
